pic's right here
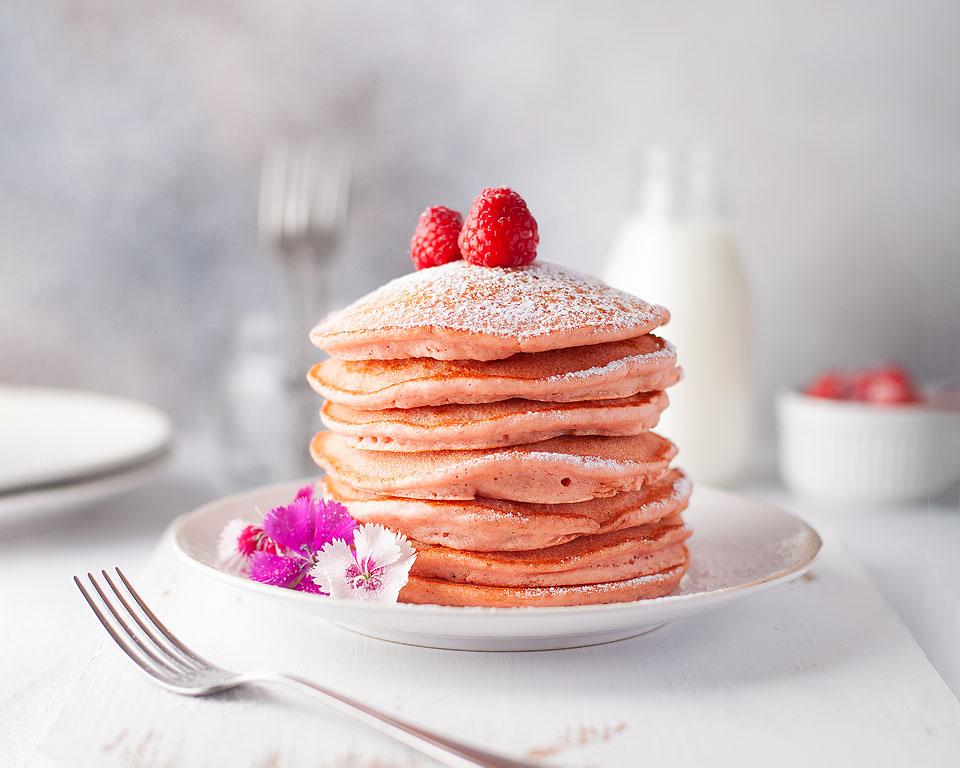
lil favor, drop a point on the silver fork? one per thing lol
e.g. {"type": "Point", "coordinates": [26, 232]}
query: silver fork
{"type": "Point", "coordinates": [168, 662]}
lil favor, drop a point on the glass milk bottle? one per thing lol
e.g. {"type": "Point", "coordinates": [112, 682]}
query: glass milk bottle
{"type": "Point", "coordinates": [678, 250]}
{"type": "Point", "coordinates": [253, 404]}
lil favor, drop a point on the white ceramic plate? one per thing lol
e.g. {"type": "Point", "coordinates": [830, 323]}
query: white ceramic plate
{"type": "Point", "coordinates": [54, 437]}
{"type": "Point", "coordinates": [740, 546]}
{"type": "Point", "coordinates": [71, 497]}
{"type": "Point", "coordinates": [63, 450]}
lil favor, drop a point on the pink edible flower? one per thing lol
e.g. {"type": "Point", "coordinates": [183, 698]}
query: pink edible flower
{"type": "Point", "coordinates": [301, 529]}
{"type": "Point", "coordinates": [239, 540]}
{"type": "Point", "coordinates": [281, 571]}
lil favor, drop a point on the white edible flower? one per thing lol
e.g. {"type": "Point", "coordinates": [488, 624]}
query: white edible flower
{"type": "Point", "coordinates": [375, 569]}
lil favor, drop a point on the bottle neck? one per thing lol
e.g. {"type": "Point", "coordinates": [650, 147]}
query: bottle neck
{"type": "Point", "coordinates": [680, 187]}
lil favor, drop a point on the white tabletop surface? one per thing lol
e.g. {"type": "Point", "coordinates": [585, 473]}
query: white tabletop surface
{"type": "Point", "coordinates": [48, 635]}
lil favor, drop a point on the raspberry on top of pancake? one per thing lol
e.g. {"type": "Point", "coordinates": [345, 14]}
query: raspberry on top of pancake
{"type": "Point", "coordinates": [461, 311]}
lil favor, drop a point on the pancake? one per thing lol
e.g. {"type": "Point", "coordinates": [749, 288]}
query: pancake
{"type": "Point", "coordinates": [496, 525]}
{"type": "Point", "coordinates": [614, 556]}
{"type": "Point", "coordinates": [491, 425]}
{"type": "Point", "coordinates": [560, 470]}
{"type": "Point", "coordinates": [437, 592]}
{"type": "Point", "coordinates": [461, 311]}
{"type": "Point", "coordinates": [597, 372]}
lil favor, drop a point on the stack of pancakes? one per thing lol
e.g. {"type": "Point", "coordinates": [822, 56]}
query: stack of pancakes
{"type": "Point", "coordinates": [501, 418]}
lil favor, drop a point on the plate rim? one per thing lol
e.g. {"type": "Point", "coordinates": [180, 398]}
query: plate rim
{"type": "Point", "coordinates": [55, 500]}
{"type": "Point", "coordinates": [374, 609]}
{"type": "Point", "coordinates": [102, 470]}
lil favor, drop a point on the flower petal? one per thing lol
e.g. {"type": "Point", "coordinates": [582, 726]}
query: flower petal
{"type": "Point", "coordinates": [329, 571]}
{"type": "Point", "coordinates": [392, 581]}
{"type": "Point", "coordinates": [305, 493]}
{"type": "Point", "coordinates": [376, 543]}
{"type": "Point", "coordinates": [333, 522]}
{"type": "Point", "coordinates": [292, 526]}
{"type": "Point", "coordinates": [307, 584]}
{"type": "Point", "coordinates": [227, 551]}
{"type": "Point", "coordinates": [274, 569]}
{"type": "Point", "coordinates": [337, 569]}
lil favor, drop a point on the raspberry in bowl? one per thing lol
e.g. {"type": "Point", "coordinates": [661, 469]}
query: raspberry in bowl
{"type": "Point", "coordinates": [868, 435]}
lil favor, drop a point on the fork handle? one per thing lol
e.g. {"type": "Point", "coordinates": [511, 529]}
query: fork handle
{"type": "Point", "coordinates": [445, 751]}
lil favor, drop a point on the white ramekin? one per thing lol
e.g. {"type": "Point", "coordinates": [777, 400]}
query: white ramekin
{"type": "Point", "coordinates": [856, 451]}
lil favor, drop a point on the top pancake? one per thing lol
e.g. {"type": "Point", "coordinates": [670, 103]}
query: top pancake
{"type": "Point", "coordinates": [460, 311]}
{"type": "Point", "coordinates": [597, 372]}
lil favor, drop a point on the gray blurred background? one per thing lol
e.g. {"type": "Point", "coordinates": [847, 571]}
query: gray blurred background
{"type": "Point", "coordinates": [131, 136]}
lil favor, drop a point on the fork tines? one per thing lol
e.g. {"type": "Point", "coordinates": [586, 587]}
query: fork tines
{"type": "Point", "coordinates": [304, 190]}
{"type": "Point", "coordinates": [151, 646]}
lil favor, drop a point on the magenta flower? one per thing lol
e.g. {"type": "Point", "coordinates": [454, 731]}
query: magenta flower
{"type": "Point", "coordinates": [301, 528]}
{"type": "Point", "coordinates": [239, 540]}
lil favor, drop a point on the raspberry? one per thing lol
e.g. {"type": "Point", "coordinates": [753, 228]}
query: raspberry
{"type": "Point", "coordinates": [859, 381]}
{"type": "Point", "coordinates": [832, 385]}
{"type": "Point", "coordinates": [434, 241]}
{"type": "Point", "coordinates": [499, 230]}
{"type": "Point", "coordinates": [888, 385]}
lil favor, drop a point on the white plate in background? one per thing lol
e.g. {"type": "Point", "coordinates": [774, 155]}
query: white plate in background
{"type": "Point", "coordinates": [56, 500]}
{"type": "Point", "coordinates": [63, 450]}
{"type": "Point", "coordinates": [55, 436]}
{"type": "Point", "coordinates": [740, 546]}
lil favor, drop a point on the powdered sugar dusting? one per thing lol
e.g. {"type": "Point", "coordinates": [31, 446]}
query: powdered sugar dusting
{"type": "Point", "coordinates": [679, 490]}
{"type": "Point", "coordinates": [613, 456]}
{"type": "Point", "coordinates": [665, 352]}
{"type": "Point", "coordinates": [596, 463]}
{"type": "Point", "coordinates": [682, 487]}
{"type": "Point", "coordinates": [606, 586]}
{"type": "Point", "coordinates": [510, 457]}
{"type": "Point", "coordinates": [539, 299]}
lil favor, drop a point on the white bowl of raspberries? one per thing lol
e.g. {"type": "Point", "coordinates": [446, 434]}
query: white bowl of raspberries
{"type": "Point", "coordinates": [869, 435]}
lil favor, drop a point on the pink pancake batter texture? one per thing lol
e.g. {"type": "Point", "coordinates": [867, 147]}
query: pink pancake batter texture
{"type": "Point", "coordinates": [459, 311]}
{"type": "Point", "coordinates": [597, 372]}
{"type": "Point", "coordinates": [560, 470]}
{"type": "Point", "coordinates": [491, 525]}
{"type": "Point", "coordinates": [491, 425]}
{"type": "Point", "coordinates": [501, 419]}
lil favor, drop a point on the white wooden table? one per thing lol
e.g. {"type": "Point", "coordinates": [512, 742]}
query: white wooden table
{"type": "Point", "coordinates": [826, 669]}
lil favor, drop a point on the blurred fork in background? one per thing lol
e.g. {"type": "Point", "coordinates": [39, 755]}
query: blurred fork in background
{"type": "Point", "coordinates": [304, 200]}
